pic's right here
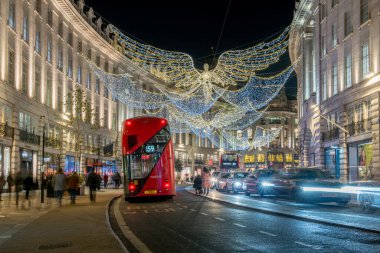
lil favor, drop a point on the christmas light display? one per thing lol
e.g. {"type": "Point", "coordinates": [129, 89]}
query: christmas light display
{"type": "Point", "coordinates": [206, 102]}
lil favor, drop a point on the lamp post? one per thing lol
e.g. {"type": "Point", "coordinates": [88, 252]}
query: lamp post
{"type": "Point", "coordinates": [43, 161]}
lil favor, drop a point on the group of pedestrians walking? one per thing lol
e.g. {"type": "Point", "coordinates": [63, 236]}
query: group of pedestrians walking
{"type": "Point", "coordinates": [202, 183]}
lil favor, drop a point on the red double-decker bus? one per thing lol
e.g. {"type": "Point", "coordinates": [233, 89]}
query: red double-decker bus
{"type": "Point", "coordinates": [148, 158]}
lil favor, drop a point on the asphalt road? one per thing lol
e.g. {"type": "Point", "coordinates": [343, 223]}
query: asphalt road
{"type": "Point", "coordinates": [191, 223]}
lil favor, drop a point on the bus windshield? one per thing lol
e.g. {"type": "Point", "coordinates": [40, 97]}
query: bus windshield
{"type": "Point", "coordinates": [143, 160]}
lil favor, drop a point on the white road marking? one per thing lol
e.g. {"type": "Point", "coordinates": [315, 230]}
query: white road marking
{"type": "Point", "coordinates": [307, 245]}
{"type": "Point", "coordinates": [204, 213]}
{"type": "Point", "coordinates": [184, 206]}
{"type": "Point", "coordinates": [5, 236]}
{"type": "Point", "coordinates": [267, 233]}
{"type": "Point", "coordinates": [192, 210]}
{"type": "Point", "coordinates": [219, 219]}
{"type": "Point", "coordinates": [156, 210]}
{"type": "Point", "coordinates": [172, 209]}
{"type": "Point", "coordinates": [1, 216]}
{"type": "Point", "coordinates": [146, 211]}
{"type": "Point", "coordinates": [239, 225]}
{"type": "Point", "coordinates": [167, 210]}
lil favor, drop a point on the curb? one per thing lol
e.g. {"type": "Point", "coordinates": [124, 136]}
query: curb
{"type": "Point", "coordinates": [298, 217]}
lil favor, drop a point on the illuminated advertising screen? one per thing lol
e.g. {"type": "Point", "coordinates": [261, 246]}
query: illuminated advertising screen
{"type": "Point", "coordinates": [229, 161]}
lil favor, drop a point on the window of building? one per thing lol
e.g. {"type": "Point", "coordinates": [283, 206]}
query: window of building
{"type": "Point", "coordinates": [70, 65]}
{"type": "Point", "coordinates": [60, 98]}
{"type": "Point", "coordinates": [38, 6]}
{"type": "Point", "coordinates": [333, 3]}
{"type": "Point", "coordinates": [24, 84]}
{"type": "Point", "coordinates": [359, 112]}
{"type": "Point", "coordinates": [89, 53]}
{"type": "Point", "coordinates": [106, 66]}
{"type": "Point", "coordinates": [60, 28]}
{"type": "Point", "coordinates": [97, 86]}
{"type": "Point", "coordinates": [323, 11]}
{"type": "Point", "coordinates": [37, 40]}
{"type": "Point", "coordinates": [49, 48]}
{"type": "Point", "coordinates": [25, 26]}
{"type": "Point", "coordinates": [335, 79]}
{"type": "Point", "coordinates": [80, 46]}
{"type": "Point", "coordinates": [49, 89]}
{"type": "Point", "coordinates": [79, 72]}
{"type": "Point", "coordinates": [369, 109]}
{"type": "Point", "coordinates": [98, 61]}
{"type": "Point", "coordinates": [70, 38]}
{"type": "Point", "coordinates": [334, 34]}
{"type": "Point", "coordinates": [348, 71]}
{"type": "Point", "coordinates": [105, 92]}
{"type": "Point", "coordinates": [88, 81]}
{"type": "Point", "coordinates": [114, 122]}
{"type": "Point", "coordinates": [50, 17]}
{"type": "Point", "coordinates": [364, 14]}
{"type": "Point", "coordinates": [11, 67]}
{"type": "Point", "coordinates": [60, 57]}
{"type": "Point", "coordinates": [347, 24]}
{"type": "Point", "coordinates": [324, 85]}
{"type": "Point", "coordinates": [364, 60]}
{"type": "Point", "coordinates": [105, 115]}
{"type": "Point", "coordinates": [12, 14]}
{"type": "Point", "coordinates": [37, 84]}
{"type": "Point", "coordinates": [323, 45]}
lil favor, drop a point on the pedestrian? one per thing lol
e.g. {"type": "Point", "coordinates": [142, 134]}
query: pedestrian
{"type": "Point", "coordinates": [198, 185]}
{"type": "Point", "coordinates": [105, 179]}
{"type": "Point", "coordinates": [93, 183]}
{"type": "Point", "coordinates": [18, 185]}
{"type": "Point", "coordinates": [59, 186]}
{"type": "Point", "coordinates": [206, 180]}
{"type": "Point", "coordinates": [27, 184]}
{"type": "Point", "coordinates": [73, 184]}
{"type": "Point", "coordinates": [117, 179]}
{"type": "Point", "coordinates": [2, 184]}
{"type": "Point", "coordinates": [10, 183]}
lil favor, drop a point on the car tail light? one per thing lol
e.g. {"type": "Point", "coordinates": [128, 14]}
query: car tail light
{"type": "Point", "coordinates": [166, 184]}
{"type": "Point", "coordinates": [132, 187]}
{"type": "Point", "coordinates": [129, 123]}
{"type": "Point", "coordinates": [163, 121]}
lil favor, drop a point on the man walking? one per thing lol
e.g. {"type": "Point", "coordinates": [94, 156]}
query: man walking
{"type": "Point", "coordinates": [93, 183]}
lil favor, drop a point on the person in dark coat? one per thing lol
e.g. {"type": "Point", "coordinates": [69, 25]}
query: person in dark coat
{"type": "Point", "coordinates": [198, 184]}
{"type": "Point", "coordinates": [28, 184]}
{"type": "Point", "coordinates": [117, 179]}
{"type": "Point", "coordinates": [18, 185]}
{"type": "Point", "coordinates": [105, 179]}
{"type": "Point", "coordinates": [10, 183]}
{"type": "Point", "coordinates": [93, 183]}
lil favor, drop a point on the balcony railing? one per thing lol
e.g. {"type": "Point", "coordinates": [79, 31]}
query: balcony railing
{"type": "Point", "coordinates": [53, 142]}
{"type": "Point", "coordinates": [331, 134]}
{"type": "Point", "coordinates": [29, 137]}
{"type": "Point", "coordinates": [359, 127]}
{"type": "Point", "coordinates": [6, 131]}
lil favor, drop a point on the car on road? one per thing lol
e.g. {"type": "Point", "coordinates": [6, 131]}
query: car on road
{"type": "Point", "coordinates": [221, 181]}
{"type": "Point", "coordinates": [310, 185]}
{"type": "Point", "coordinates": [214, 177]}
{"type": "Point", "coordinates": [251, 182]}
{"type": "Point", "coordinates": [235, 181]}
{"type": "Point", "coordinates": [367, 193]}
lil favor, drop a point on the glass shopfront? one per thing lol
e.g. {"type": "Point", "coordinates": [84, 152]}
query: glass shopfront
{"type": "Point", "coordinates": [28, 163]}
{"type": "Point", "coordinates": [69, 164]}
{"type": "Point", "coordinates": [52, 163]}
{"type": "Point", "coordinates": [360, 161]}
{"type": "Point", "coordinates": [332, 160]}
{"type": "Point", "coordinates": [5, 161]}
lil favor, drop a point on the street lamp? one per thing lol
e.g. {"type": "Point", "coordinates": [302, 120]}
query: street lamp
{"type": "Point", "coordinates": [43, 160]}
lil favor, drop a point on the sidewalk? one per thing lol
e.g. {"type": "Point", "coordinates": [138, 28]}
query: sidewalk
{"type": "Point", "coordinates": [45, 227]}
{"type": "Point", "coordinates": [351, 220]}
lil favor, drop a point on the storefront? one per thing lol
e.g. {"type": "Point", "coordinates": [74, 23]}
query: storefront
{"type": "Point", "coordinates": [69, 164]}
{"type": "Point", "coordinates": [360, 160]}
{"type": "Point", "coordinates": [28, 163]}
{"type": "Point", "coordinates": [275, 160]}
{"type": "Point", "coordinates": [5, 161]}
{"type": "Point", "coordinates": [332, 160]}
{"type": "Point", "coordinates": [52, 163]}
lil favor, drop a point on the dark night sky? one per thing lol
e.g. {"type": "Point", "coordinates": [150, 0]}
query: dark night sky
{"type": "Point", "coordinates": [194, 26]}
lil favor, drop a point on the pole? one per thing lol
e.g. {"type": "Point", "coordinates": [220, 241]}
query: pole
{"type": "Point", "coordinates": [43, 163]}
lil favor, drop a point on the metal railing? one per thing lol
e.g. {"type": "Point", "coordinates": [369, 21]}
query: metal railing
{"type": "Point", "coordinates": [53, 142]}
{"type": "Point", "coordinates": [331, 134]}
{"type": "Point", "coordinates": [6, 131]}
{"type": "Point", "coordinates": [359, 127]}
{"type": "Point", "coordinates": [29, 137]}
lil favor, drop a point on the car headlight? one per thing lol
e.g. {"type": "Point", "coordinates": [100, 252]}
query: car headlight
{"type": "Point", "coordinates": [266, 184]}
{"type": "Point", "coordinates": [213, 179]}
{"type": "Point", "coordinates": [237, 184]}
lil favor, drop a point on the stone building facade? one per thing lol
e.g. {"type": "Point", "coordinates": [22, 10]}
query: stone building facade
{"type": "Point", "coordinates": [43, 47]}
{"type": "Point", "coordinates": [335, 48]}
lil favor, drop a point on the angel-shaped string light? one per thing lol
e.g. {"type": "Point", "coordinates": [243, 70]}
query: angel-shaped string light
{"type": "Point", "coordinates": [187, 94]}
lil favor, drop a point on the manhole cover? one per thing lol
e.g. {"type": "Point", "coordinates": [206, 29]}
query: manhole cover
{"type": "Point", "coordinates": [55, 246]}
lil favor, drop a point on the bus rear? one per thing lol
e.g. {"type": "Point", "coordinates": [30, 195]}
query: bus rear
{"type": "Point", "coordinates": [148, 158]}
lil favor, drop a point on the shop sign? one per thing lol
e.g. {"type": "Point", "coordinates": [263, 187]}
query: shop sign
{"type": "Point", "coordinates": [260, 158]}
{"type": "Point", "coordinates": [288, 158]}
{"type": "Point", "coordinates": [249, 158]}
{"type": "Point", "coordinates": [296, 158]}
{"type": "Point", "coordinates": [275, 157]}
{"type": "Point", "coordinates": [229, 161]}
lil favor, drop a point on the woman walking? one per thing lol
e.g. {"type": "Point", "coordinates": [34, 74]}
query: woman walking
{"type": "Point", "coordinates": [73, 186]}
{"type": "Point", "coordinates": [59, 186]}
{"type": "Point", "coordinates": [206, 180]}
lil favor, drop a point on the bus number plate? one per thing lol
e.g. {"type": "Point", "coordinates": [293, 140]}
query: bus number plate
{"type": "Point", "coordinates": [150, 192]}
